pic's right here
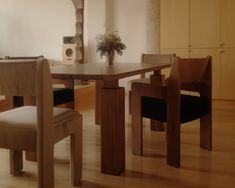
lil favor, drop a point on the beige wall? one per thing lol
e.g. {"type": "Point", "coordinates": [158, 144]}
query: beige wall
{"type": "Point", "coordinates": [125, 16]}
{"type": "Point", "coordinates": [128, 18]}
{"type": "Point", "coordinates": [35, 27]}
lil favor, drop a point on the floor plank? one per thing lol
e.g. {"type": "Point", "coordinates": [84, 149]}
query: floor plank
{"type": "Point", "coordinates": [199, 168]}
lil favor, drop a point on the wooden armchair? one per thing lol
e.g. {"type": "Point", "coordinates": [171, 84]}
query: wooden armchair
{"type": "Point", "coordinates": [167, 104]}
{"type": "Point", "coordinates": [37, 128]}
{"type": "Point", "coordinates": [64, 95]}
{"type": "Point", "coordinates": [148, 58]}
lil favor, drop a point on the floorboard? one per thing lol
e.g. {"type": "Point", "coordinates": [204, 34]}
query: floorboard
{"type": "Point", "coordinates": [199, 168]}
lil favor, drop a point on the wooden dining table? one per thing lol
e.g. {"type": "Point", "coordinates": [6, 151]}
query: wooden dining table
{"type": "Point", "coordinates": [110, 103]}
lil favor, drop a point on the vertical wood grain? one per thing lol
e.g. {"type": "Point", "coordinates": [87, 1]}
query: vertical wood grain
{"type": "Point", "coordinates": [112, 130]}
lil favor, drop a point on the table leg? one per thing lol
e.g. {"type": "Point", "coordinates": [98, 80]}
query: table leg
{"type": "Point", "coordinates": [112, 129]}
{"type": "Point", "coordinates": [157, 78]}
{"type": "Point", "coordinates": [98, 85]}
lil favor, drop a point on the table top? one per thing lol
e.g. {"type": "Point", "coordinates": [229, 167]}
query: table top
{"type": "Point", "coordinates": [103, 71]}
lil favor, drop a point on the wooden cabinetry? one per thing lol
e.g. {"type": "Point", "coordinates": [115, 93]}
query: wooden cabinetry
{"type": "Point", "coordinates": [173, 34]}
{"type": "Point", "coordinates": [210, 31]}
{"type": "Point", "coordinates": [227, 49]}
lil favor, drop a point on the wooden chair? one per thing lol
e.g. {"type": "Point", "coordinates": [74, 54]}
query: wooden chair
{"type": "Point", "coordinates": [148, 58]}
{"type": "Point", "coordinates": [167, 104]}
{"type": "Point", "coordinates": [64, 95]}
{"type": "Point", "coordinates": [37, 128]}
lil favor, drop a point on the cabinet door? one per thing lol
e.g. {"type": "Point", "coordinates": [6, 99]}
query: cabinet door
{"type": "Point", "coordinates": [228, 23]}
{"type": "Point", "coordinates": [204, 23]}
{"type": "Point", "coordinates": [215, 53]}
{"type": "Point", "coordinates": [174, 24]}
{"type": "Point", "coordinates": [228, 55]}
{"type": "Point", "coordinates": [228, 73]}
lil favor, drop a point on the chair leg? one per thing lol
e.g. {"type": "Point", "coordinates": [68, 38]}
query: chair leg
{"type": "Point", "coordinates": [46, 167]}
{"type": "Point", "coordinates": [206, 132]}
{"type": "Point", "coordinates": [76, 157]}
{"type": "Point", "coordinates": [173, 145]}
{"type": "Point", "coordinates": [137, 125]}
{"type": "Point", "coordinates": [16, 162]}
{"type": "Point", "coordinates": [157, 125]}
{"type": "Point", "coordinates": [129, 102]}
{"type": "Point", "coordinates": [70, 105]}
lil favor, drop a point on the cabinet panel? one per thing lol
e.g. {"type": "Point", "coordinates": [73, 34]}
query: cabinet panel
{"type": "Point", "coordinates": [184, 53]}
{"type": "Point", "coordinates": [174, 23]}
{"type": "Point", "coordinates": [204, 23]}
{"type": "Point", "coordinates": [215, 67]}
{"type": "Point", "coordinates": [228, 74]}
{"type": "Point", "coordinates": [228, 23]}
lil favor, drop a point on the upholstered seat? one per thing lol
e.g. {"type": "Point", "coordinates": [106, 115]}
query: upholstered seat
{"type": "Point", "coordinates": [191, 108]}
{"type": "Point", "coordinates": [11, 127]}
{"type": "Point", "coordinates": [62, 96]}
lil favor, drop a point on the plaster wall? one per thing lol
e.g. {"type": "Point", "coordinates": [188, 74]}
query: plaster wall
{"type": "Point", "coordinates": [35, 27]}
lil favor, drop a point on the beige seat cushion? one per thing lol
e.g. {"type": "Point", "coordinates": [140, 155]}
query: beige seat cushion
{"type": "Point", "coordinates": [19, 123]}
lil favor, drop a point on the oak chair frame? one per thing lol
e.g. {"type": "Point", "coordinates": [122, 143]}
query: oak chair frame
{"type": "Point", "coordinates": [37, 82]}
{"type": "Point", "coordinates": [186, 74]}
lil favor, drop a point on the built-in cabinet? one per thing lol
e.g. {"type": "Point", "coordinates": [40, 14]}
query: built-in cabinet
{"type": "Point", "coordinates": [197, 28]}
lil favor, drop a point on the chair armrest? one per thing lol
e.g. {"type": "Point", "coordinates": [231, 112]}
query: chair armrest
{"type": "Point", "coordinates": [66, 83]}
{"type": "Point", "coordinates": [149, 90]}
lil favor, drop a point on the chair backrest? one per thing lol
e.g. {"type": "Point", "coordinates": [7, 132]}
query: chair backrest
{"type": "Point", "coordinates": [22, 57]}
{"type": "Point", "coordinates": [188, 70]}
{"type": "Point", "coordinates": [192, 74]}
{"type": "Point", "coordinates": [152, 58]}
{"type": "Point", "coordinates": [30, 78]}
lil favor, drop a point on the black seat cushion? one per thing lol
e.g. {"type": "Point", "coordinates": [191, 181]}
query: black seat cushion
{"type": "Point", "coordinates": [62, 95]}
{"type": "Point", "coordinates": [192, 107]}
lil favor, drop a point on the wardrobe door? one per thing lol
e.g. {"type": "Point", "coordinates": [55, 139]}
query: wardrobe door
{"type": "Point", "coordinates": [204, 23]}
{"type": "Point", "coordinates": [174, 24]}
{"type": "Point", "coordinates": [228, 49]}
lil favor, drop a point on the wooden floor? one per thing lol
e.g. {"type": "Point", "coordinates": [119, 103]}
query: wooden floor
{"type": "Point", "coordinates": [200, 168]}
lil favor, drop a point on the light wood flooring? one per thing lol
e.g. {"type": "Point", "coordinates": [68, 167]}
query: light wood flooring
{"type": "Point", "coordinates": [199, 168]}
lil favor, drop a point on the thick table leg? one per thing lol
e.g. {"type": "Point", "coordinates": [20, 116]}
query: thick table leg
{"type": "Point", "coordinates": [112, 130]}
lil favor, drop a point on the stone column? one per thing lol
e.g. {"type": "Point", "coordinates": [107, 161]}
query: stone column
{"type": "Point", "coordinates": [152, 26]}
{"type": "Point", "coordinates": [79, 35]}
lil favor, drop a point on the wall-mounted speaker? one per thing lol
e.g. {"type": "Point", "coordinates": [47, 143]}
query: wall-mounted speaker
{"type": "Point", "coordinates": [69, 50]}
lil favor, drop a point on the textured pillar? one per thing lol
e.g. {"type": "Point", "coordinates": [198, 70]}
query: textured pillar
{"type": "Point", "coordinates": [79, 41]}
{"type": "Point", "coordinates": [152, 26]}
